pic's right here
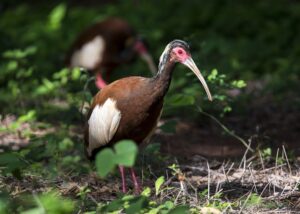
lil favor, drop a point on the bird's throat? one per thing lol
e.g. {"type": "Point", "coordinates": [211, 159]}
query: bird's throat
{"type": "Point", "coordinates": [164, 77]}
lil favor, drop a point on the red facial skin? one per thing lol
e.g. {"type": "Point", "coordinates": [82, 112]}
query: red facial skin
{"type": "Point", "coordinates": [180, 54]}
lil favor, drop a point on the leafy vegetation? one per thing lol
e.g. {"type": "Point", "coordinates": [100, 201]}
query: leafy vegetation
{"type": "Point", "coordinates": [124, 154]}
{"type": "Point", "coordinates": [42, 165]}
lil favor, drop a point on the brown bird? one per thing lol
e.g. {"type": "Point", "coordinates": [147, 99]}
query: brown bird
{"type": "Point", "coordinates": [104, 46]}
{"type": "Point", "coordinates": [130, 108]}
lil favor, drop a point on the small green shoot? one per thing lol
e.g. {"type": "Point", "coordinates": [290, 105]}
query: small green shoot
{"type": "Point", "coordinates": [158, 184]}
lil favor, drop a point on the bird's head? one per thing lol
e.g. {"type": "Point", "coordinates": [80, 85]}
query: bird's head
{"type": "Point", "coordinates": [179, 51]}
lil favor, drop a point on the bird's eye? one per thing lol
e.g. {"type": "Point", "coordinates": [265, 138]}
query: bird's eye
{"type": "Point", "coordinates": [180, 52]}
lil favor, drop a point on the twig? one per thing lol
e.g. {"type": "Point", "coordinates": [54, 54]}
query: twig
{"type": "Point", "coordinates": [169, 181]}
{"type": "Point", "coordinates": [208, 181]}
{"type": "Point", "coordinates": [276, 160]}
{"type": "Point", "coordinates": [227, 180]}
{"type": "Point", "coordinates": [283, 190]}
{"type": "Point", "coordinates": [231, 133]}
{"type": "Point", "coordinates": [229, 168]}
{"type": "Point", "coordinates": [274, 167]}
{"type": "Point", "coordinates": [245, 202]}
{"type": "Point", "coordinates": [93, 199]}
{"type": "Point", "coordinates": [268, 184]}
{"type": "Point", "coordinates": [286, 158]}
{"type": "Point", "coordinates": [176, 199]}
{"type": "Point", "coordinates": [261, 160]}
{"type": "Point", "coordinates": [183, 188]}
{"type": "Point", "coordinates": [254, 183]}
{"type": "Point", "coordinates": [244, 159]}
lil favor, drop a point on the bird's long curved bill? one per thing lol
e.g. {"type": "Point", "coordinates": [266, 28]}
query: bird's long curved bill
{"type": "Point", "coordinates": [189, 62]}
{"type": "Point", "coordinates": [149, 60]}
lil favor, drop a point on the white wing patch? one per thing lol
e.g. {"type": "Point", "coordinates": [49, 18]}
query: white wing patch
{"type": "Point", "coordinates": [90, 54]}
{"type": "Point", "coordinates": [103, 124]}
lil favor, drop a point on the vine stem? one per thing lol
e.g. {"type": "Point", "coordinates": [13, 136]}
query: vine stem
{"type": "Point", "coordinates": [231, 133]}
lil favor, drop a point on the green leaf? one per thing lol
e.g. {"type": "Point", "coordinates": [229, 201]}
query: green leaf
{"type": "Point", "coordinates": [146, 192]}
{"type": "Point", "coordinates": [11, 162]}
{"type": "Point", "coordinates": [105, 162]}
{"type": "Point", "coordinates": [267, 152]}
{"type": "Point", "coordinates": [158, 184]}
{"type": "Point", "coordinates": [19, 54]}
{"type": "Point", "coordinates": [12, 65]}
{"type": "Point", "coordinates": [3, 205]}
{"type": "Point", "coordinates": [169, 204]}
{"type": "Point", "coordinates": [137, 205]}
{"type": "Point", "coordinates": [239, 83]}
{"type": "Point", "coordinates": [253, 200]}
{"type": "Point", "coordinates": [54, 204]}
{"type": "Point", "coordinates": [113, 206]}
{"type": "Point", "coordinates": [37, 210]}
{"type": "Point", "coordinates": [56, 16]}
{"type": "Point", "coordinates": [66, 144]}
{"type": "Point", "coordinates": [179, 210]}
{"type": "Point", "coordinates": [126, 152]}
{"type": "Point", "coordinates": [30, 116]}
{"type": "Point", "coordinates": [213, 75]}
{"type": "Point", "coordinates": [227, 109]}
{"type": "Point", "coordinates": [76, 73]}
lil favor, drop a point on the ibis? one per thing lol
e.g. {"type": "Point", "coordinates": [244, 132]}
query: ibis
{"type": "Point", "coordinates": [104, 46]}
{"type": "Point", "coordinates": [129, 108]}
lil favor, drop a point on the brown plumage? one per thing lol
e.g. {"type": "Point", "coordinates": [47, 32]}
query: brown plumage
{"type": "Point", "coordinates": [139, 101]}
{"type": "Point", "coordinates": [112, 42]}
{"type": "Point", "coordinates": [134, 95]}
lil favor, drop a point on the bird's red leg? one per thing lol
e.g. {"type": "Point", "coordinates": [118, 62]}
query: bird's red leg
{"type": "Point", "coordinates": [100, 83]}
{"type": "Point", "coordinates": [137, 188]}
{"type": "Point", "coordinates": [122, 169]}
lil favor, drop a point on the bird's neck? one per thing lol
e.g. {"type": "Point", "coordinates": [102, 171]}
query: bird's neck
{"type": "Point", "coordinates": [163, 78]}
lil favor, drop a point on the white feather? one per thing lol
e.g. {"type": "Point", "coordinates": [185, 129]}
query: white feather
{"type": "Point", "coordinates": [89, 55]}
{"type": "Point", "coordinates": [103, 124]}
{"type": "Point", "coordinates": [162, 57]}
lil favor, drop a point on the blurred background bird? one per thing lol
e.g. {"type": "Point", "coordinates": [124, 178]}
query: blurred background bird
{"type": "Point", "coordinates": [106, 45]}
{"type": "Point", "coordinates": [130, 108]}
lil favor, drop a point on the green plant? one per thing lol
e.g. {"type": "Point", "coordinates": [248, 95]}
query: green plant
{"type": "Point", "coordinates": [83, 191]}
{"type": "Point", "coordinates": [51, 203]}
{"type": "Point", "coordinates": [124, 154]}
{"type": "Point", "coordinates": [252, 200]}
{"type": "Point", "coordinates": [159, 181]}
{"type": "Point", "coordinates": [142, 204]}
{"type": "Point", "coordinates": [12, 163]}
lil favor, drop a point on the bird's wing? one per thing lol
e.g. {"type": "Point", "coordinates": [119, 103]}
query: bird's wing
{"type": "Point", "coordinates": [102, 124]}
{"type": "Point", "coordinates": [89, 55]}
